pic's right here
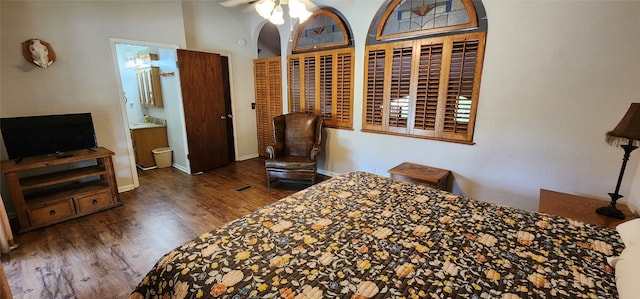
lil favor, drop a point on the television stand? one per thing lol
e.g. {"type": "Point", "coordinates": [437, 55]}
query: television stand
{"type": "Point", "coordinates": [60, 155]}
{"type": "Point", "coordinates": [87, 185]}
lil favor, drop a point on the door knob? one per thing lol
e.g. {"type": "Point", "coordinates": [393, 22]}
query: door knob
{"type": "Point", "coordinates": [229, 116]}
{"type": "Point", "coordinates": [223, 117]}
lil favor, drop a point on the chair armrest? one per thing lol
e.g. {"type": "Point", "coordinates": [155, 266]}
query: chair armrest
{"type": "Point", "coordinates": [275, 150]}
{"type": "Point", "coordinates": [270, 151]}
{"type": "Point", "coordinates": [315, 151]}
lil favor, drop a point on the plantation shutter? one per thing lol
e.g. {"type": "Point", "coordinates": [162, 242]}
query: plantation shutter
{"type": "Point", "coordinates": [268, 93]}
{"type": "Point", "coordinates": [431, 87]}
{"type": "Point", "coordinates": [294, 85]}
{"type": "Point", "coordinates": [326, 87]}
{"type": "Point", "coordinates": [321, 83]}
{"type": "Point", "coordinates": [460, 91]}
{"type": "Point", "coordinates": [343, 90]}
{"type": "Point", "coordinates": [309, 76]}
{"type": "Point", "coordinates": [428, 88]}
{"type": "Point", "coordinates": [400, 93]}
{"type": "Point", "coordinates": [374, 97]}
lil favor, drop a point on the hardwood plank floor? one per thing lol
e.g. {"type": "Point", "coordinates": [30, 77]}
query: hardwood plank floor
{"type": "Point", "coordinates": [104, 255]}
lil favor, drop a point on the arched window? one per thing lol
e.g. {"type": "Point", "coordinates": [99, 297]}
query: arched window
{"type": "Point", "coordinates": [422, 69]}
{"type": "Point", "coordinates": [321, 69]}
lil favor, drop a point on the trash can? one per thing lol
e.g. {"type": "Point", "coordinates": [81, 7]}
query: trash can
{"type": "Point", "coordinates": [162, 156]}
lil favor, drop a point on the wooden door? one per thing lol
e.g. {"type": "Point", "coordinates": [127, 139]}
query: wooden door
{"type": "Point", "coordinates": [268, 88]}
{"type": "Point", "coordinates": [205, 117]}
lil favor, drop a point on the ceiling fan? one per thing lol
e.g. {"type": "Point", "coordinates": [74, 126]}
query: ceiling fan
{"type": "Point", "coordinates": [272, 9]}
{"type": "Point", "coordinates": [234, 3]}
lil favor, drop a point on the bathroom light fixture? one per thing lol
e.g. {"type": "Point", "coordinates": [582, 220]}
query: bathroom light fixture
{"type": "Point", "coordinates": [272, 10]}
{"type": "Point", "coordinates": [133, 60]}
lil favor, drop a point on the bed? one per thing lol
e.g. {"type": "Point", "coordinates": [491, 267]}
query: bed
{"type": "Point", "coordinates": [360, 235]}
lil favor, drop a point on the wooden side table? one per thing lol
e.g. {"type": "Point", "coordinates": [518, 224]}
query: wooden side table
{"type": "Point", "coordinates": [580, 208]}
{"type": "Point", "coordinates": [436, 178]}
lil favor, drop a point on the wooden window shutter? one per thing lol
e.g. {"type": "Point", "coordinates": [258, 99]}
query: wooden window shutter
{"type": "Point", "coordinates": [343, 90]}
{"type": "Point", "coordinates": [268, 95]}
{"type": "Point", "coordinates": [322, 83]}
{"type": "Point", "coordinates": [309, 75]}
{"type": "Point", "coordinates": [325, 84]}
{"type": "Point", "coordinates": [400, 88]}
{"type": "Point", "coordinates": [462, 88]}
{"type": "Point", "coordinates": [428, 88]}
{"type": "Point", "coordinates": [423, 67]}
{"type": "Point", "coordinates": [374, 84]}
{"type": "Point", "coordinates": [262, 109]}
{"type": "Point", "coordinates": [274, 68]}
{"type": "Point", "coordinates": [295, 96]}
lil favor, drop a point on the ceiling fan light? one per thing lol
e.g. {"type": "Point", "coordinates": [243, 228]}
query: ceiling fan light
{"type": "Point", "coordinates": [304, 15]}
{"type": "Point", "coordinates": [265, 7]}
{"type": "Point", "coordinates": [295, 7]}
{"type": "Point", "coordinates": [298, 10]}
{"type": "Point", "coordinates": [277, 16]}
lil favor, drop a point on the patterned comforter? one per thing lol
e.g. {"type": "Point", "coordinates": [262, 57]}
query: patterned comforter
{"type": "Point", "coordinates": [360, 235]}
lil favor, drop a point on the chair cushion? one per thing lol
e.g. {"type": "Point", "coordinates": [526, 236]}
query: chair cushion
{"type": "Point", "coordinates": [294, 163]}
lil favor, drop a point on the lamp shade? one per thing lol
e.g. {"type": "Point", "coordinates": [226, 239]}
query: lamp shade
{"type": "Point", "coordinates": [628, 130]}
{"type": "Point", "coordinates": [277, 16]}
{"type": "Point", "coordinates": [265, 7]}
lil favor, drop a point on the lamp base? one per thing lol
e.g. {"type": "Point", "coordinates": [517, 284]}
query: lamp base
{"type": "Point", "coordinates": [610, 211]}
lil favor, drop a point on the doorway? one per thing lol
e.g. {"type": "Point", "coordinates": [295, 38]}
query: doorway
{"type": "Point", "coordinates": [206, 99]}
{"type": "Point", "coordinates": [173, 110]}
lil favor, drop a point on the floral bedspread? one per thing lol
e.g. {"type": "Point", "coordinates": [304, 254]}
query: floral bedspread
{"type": "Point", "coordinates": [361, 235]}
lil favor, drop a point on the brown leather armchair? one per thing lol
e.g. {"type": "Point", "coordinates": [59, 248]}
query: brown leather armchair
{"type": "Point", "coordinates": [297, 145]}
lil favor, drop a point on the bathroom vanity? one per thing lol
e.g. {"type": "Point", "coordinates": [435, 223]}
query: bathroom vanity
{"type": "Point", "coordinates": [146, 137]}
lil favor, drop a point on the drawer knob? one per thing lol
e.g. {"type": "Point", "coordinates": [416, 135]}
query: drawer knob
{"type": "Point", "coordinates": [52, 212]}
{"type": "Point", "coordinates": [94, 202]}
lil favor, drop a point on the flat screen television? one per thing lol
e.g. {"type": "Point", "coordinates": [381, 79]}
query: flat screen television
{"type": "Point", "coordinates": [47, 134]}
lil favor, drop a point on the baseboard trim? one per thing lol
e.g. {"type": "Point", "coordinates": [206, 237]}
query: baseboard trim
{"type": "Point", "coordinates": [126, 188]}
{"type": "Point", "coordinates": [247, 157]}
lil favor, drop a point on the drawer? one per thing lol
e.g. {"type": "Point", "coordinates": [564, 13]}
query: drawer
{"type": "Point", "coordinates": [94, 202]}
{"type": "Point", "coordinates": [420, 174]}
{"type": "Point", "coordinates": [435, 185]}
{"type": "Point", "coordinates": [51, 212]}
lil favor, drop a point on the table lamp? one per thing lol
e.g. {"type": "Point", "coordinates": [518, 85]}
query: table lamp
{"type": "Point", "coordinates": [627, 135]}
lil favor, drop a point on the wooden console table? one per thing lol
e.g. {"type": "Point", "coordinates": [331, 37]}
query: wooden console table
{"type": "Point", "coordinates": [580, 208]}
{"type": "Point", "coordinates": [59, 195]}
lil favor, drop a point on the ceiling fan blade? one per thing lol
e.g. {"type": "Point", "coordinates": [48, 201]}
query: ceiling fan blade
{"type": "Point", "coordinates": [234, 3]}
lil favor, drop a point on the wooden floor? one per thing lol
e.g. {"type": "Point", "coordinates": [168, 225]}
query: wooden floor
{"type": "Point", "coordinates": [105, 255]}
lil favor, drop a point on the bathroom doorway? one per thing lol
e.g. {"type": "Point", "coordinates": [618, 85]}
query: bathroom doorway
{"type": "Point", "coordinates": [172, 112]}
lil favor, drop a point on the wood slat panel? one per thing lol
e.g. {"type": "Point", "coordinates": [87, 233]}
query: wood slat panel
{"type": "Point", "coordinates": [460, 88]}
{"type": "Point", "coordinates": [400, 94]}
{"type": "Point", "coordinates": [268, 89]}
{"type": "Point", "coordinates": [325, 84]}
{"type": "Point", "coordinates": [344, 89]}
{"type": "Point", "coordinates": [310, 88]}
{"type": "Point", "coordinates": [262, 93]}
{"type": "Point", "coordinates": [274, 68]}
{"type": "Point", "coordinates": [295, 81]}
{"type": "Point", "coordinates": [374, 84]}
{"type": "Point", "coordinates": [430, 64]}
